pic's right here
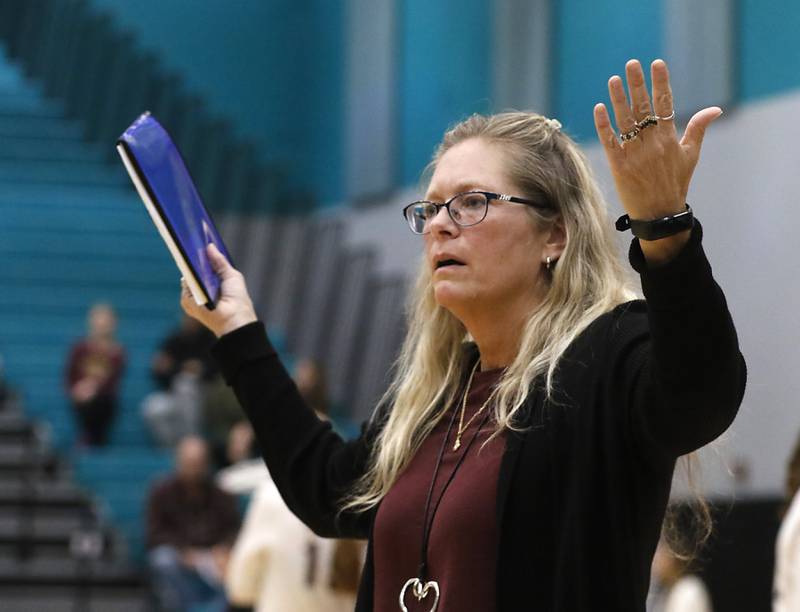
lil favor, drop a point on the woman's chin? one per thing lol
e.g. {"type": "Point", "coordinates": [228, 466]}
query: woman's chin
{"type": "Point", "coordinates": [447, 296]}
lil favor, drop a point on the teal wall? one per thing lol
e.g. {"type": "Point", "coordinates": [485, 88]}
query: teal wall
{"type": "Point", "coordinates": [277, 69]}
{"type": "Point", "coordinates": [769, 47]}
{"type": "Point", "coordinates": [445, 73]}
{"type": "Point", "coordinates": [592, 41]}
{"type": "Point", "coordinates": [274, 68]}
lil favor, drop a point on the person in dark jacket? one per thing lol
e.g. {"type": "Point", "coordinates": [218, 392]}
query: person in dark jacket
{"type": "Point", "coordinates": [522, 457]}
{"type": "Point", "coordinates": [191, 527]}
{"type": "Point", "coordinates": [181, 369]}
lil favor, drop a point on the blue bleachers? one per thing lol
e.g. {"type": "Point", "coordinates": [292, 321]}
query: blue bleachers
{"type": "Point", "coordinates": [122, 478]}
{"type": "Point", "coordinates": [72, 233]}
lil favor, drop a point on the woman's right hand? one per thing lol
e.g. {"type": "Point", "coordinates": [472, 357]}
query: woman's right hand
{"type": "Point", "coordinates": [234, 308]}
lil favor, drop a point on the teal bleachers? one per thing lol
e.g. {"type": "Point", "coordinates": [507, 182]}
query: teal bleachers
{"type": "Point", "coordinates": [73, 232]}
{"type": "Point", "coordinates": [123, 478]}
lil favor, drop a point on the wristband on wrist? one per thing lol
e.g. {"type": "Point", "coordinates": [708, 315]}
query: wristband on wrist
{"type": "Point", "coordinates": [657, 228]}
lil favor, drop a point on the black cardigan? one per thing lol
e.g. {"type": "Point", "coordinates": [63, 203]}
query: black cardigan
{"type": "Point", "coordinates": [582, 492]}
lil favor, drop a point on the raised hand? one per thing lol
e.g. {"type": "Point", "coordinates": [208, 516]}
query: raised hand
{"type": "Point", "coordinates": [651, 167]}
{"type": "Point", "coordinates": [234, 308]}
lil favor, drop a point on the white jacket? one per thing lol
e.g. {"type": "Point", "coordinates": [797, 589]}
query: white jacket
{"type": "Point", "coordinates": [278, 564]}
{"type": "Point", "coordinates": [786, 586]}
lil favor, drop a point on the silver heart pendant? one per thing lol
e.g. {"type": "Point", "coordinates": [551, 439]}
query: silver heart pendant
{"type": "Point", "coordinates": [420, 591]}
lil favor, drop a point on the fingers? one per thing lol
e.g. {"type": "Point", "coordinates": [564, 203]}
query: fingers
{"type": "Point", "coordinates": [219, 263]}
{"type": "Point", "coordinates": [619, 102]}
{"type": "Point", "coordinates": [187, 300]}
{"type": "Point", "coordinates": [662, 92]}
{"type": "Point", "coordinates": [663, 104]}
{"type": "Point", "coordinates": [696, 129]}
{"type": "Point", "coordinates": [637, 87]}
{"type": "Point", "coordinates": [605, 133]}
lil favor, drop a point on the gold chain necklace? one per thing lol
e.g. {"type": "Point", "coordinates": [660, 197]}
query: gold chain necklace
{"type": "Point", "coordinates": [461, 427]}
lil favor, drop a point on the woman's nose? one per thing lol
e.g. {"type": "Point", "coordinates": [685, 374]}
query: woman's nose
{"type": "Point", "coordinates": [442, 222]}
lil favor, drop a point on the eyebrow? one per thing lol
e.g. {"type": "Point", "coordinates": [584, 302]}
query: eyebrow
{"type": "Point", "coordinates": [460, 188]}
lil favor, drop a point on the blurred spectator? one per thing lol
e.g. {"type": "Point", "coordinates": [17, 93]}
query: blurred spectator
{"type": "Point", "coordinates": [310, 380]}
{"type": "Point", "coordinates": [191, 525]}
{"type": "Point", "coordinates": [221, 414]}
{"type": "Point", "coordinates": [179, 368]}
{"type": "Point", "coordinates": [786, 586]}
{"type": "Point", "coordinates": [94, 368]}
{"type": "Point", "coordinates": [674, 588]}
{"type": "Point", "coordinates": [277, 562]}
{"type": "Point", "coordinates": [246, 470]}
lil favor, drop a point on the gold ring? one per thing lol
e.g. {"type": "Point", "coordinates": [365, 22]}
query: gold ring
{"type": "Point", "coordinates": [647, 122]}
{"type": "Point", "coordinates": [630, 135]}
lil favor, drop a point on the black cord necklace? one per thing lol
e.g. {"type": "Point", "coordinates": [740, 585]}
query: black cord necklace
{"type": "Point", "coordinates": [421, 586]}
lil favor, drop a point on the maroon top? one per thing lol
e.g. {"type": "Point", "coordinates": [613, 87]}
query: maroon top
{"type": "Point", "coordinates": [463, 538]}
{"type": "Point", "coordinates": [181, 518]}
{"type": "Point", "coordinates": [103, 362]}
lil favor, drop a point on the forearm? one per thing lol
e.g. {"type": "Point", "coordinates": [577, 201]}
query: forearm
{"type": "Point", "coordinates": [695, 370]}
{"type": "Point", "coordinates": [660, 252]}
{"type": "Point", "coordinates": [312, 466]}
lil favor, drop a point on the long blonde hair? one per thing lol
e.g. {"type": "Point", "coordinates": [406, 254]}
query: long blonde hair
{"type": "Point", "coordinates": [587, 281]}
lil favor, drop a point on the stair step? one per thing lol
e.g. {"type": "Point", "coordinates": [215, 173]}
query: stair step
{"type": "Point", "coordinates": [37, 149]}
{"type": "Point", "coordinates": [49, 598]}
{"type": "Point", "coordinates": [129, 304]}
{"type": "Point", "coordinates": [50, 571]}
{"type": "Point", "coordinates": [83, 196]}
{"type": "Point", "coordinates": [120, 222]}
{"type": "Point", "coordinates": [28, 102]}
{"type": "Point", "coordinates": [13, 125]}
{"type": "Point", "coordinates": [31, 264]}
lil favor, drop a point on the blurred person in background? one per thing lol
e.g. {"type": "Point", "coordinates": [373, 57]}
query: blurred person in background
{"type": "Point", "coordinates": [786, 583]}
{"type": "Point", "coordinates": [92, 376]}
{"type": "Point", "coordinates": [244, 470]}
{"type": "Point", "coordinates": [675, 587]}
{"type": "Point", "coordinates": [524, 453]}
{"type": "Point", "coordinates": [309, 376]}
{"type": "Point", "coordinates": [191, 525]}
{"type": "Point", "coordinates": [179, 368]}
{"type": "Point", "coordinates": [220, 416]}
{"type": "Point", "coordinates": [277, 562]}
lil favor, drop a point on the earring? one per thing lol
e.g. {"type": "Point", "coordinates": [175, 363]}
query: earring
{"type": "Point", "coordinates": [547, 263]}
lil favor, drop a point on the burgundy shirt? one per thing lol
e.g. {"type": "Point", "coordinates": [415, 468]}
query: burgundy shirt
{"type": "Point", "coordinates": [183, 520]}
{"type": "Point", "coordinates": [463, 536]}
{"type": "Point", "coordinates": [104, 362]}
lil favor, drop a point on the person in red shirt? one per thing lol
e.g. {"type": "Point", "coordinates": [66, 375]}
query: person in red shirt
{"type": "Point", "coordinates": [94, 368]}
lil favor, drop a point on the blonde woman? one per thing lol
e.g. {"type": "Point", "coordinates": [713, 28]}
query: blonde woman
{"type": "Point", "coordinates": [522, 456]}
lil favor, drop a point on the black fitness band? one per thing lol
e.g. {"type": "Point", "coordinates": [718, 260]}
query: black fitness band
{"type": "Point", "coordinates": [657, 228]}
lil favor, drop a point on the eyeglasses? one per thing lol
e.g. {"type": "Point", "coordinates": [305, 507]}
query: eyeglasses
{"type": "Point", "coordinates": [465, 209]}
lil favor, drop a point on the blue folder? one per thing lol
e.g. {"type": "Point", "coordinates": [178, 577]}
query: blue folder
{"type": "Point", "coordinates": [168, 192]}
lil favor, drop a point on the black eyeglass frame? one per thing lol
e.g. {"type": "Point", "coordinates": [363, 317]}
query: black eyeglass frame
{"type": "Point", "coordinates": [487, 194]}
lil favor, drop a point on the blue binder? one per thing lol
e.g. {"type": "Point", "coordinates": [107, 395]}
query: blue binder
{"type": "Point", "coordinates": [168, 192]}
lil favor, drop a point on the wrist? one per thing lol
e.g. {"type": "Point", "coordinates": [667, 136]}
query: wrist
{"type": "Point", "coordinates": [661, 227]}
{"type": "Point", "coordinates": [235, 323]}
{"type": "Point", "coordinates": [660, 252]}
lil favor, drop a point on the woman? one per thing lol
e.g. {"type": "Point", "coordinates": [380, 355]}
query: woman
{"type": "Point", "coordinates": [522, 457]}
{"type": "Point", "coordinates": [93, 373]}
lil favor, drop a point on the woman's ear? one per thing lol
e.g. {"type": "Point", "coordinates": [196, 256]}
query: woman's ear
{"type": "Point", "coordinates": [556, 240]}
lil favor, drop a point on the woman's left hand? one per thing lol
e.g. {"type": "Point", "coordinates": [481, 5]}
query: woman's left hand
{"type": "Point", "coordinates": [652, 170]}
